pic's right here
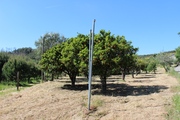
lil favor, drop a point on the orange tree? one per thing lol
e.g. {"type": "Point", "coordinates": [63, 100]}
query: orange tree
{"type": "Point", "coordinates": [65, 57]}
{"type": "Point", "coordinates": [50, 61]}
{"type": "Point", "coordinates": [124, 55]}
{"type": "Point", "coordinates": [71, 56]}
{"type": "Point", "coordinates": [103, 57]}
{"type": "Point", "coordinates": [111, 53]}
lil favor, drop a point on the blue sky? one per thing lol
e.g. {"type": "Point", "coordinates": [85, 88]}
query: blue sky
{"type": "Point", "coordinates": [151, 25]}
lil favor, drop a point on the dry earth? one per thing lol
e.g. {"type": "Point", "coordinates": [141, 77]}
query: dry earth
{"type": "Point", "coordinates": [144, 97]}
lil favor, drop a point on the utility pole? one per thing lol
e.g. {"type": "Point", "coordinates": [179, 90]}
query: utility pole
{"type": "Point", "coordinates": [91, 44]}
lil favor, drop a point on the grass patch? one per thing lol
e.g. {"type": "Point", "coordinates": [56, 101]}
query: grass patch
{"type": "Point", "coordinates": [10, 86]}
{"type": "Point", "coordinates": [175, 88]}
{"type": "Point", "coordinates": [175, 74]}
{"type": "Point", "coordinates": [7, 91]}
{"type": "Point", "coordinates": [176, 101]}
{"type": "Point", "coordinates": [97, 102]}
{"type": "Point", "coordinates": [174, 110]}
{"type": "Point", "coordinates": [3, 87]}
{"type": "Point", "coordinates": [7, 87]}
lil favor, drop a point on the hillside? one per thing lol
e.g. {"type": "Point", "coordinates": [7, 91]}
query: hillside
{"type": "Point", "coordinates": [166, 52]}
{"type": "Point", "coordinates": [144, 97]}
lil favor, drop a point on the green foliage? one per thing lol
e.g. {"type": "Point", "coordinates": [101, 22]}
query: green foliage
{"type": "Point", "coordinates": [28, 52]}
{"type": "Point", "coordinates": [174, 110]}
{"type": "Point", "coordinates": [165, 60]}
{"type": "Point", "coordinates": [126, 52]}
{"type": "Point", "coordinates": [71, 56]}
{"type": "Point", "coordinates": [65, 57]}
{"type": "Point", "coordinates": [20, 64]}
{"type": "Point", "coordinates": [50, 61]}
{"type": "Point", "coordinates": [152, 66]}
{"type": "Point", "coordinates": [103, 57]}
{"type": "Point", "coordinates": [176, 101]}
{"type": "Point", "coordinates": [3, 59]}
{"type": "Point", "coordinates": [110, 54]}
{"type": "Point", "coordinates": [142, 64]}
{"type": "Point", "coordinates": [25, 51]}
{"type": "Point", "coordinates": [6, 86]}
{"type": "Point", "coordinates": [47, 41]}
{"type": "Point", "coordinates": [177, 54]}
{"type": "Point", "coordinates": [172, 72]}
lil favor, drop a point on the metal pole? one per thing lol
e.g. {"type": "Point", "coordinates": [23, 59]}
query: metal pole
{"type": "Point", "coordinates": [90, 63]}
{"type": "Point", "coordinates": [42, 72]}
{"type": "Point", "coordinates": [89, 77]}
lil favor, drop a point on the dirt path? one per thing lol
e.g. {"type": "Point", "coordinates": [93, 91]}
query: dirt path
{"type": "Point", "coordinates": [143, 98]}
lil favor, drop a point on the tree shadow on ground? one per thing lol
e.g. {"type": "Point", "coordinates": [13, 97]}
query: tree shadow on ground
{"type": "Point", "coordinates": [25, 85]}
{"type": "Point", "coordinates": [130, 90]}
{"type": "Point", "coordinates": [118, 89]}
{"type": "Point", "coordinates": [141, 81]}
{"type": "Point", "coordinates": [146, 76]}
{"type": "Point", "coordinates": [67, 80]}
{"type": "Point", "coordinates": [80, 87]}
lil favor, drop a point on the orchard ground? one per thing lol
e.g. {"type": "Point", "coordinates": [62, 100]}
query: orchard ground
{"type": "Point", "coordinates": [145, 97]}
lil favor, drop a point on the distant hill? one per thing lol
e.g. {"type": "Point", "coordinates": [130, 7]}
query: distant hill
{"type": "Point", "coordinates": [149, 55]}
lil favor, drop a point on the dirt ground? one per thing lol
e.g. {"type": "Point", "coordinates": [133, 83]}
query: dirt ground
{"type": "Point", "coordinates": [145, 97]}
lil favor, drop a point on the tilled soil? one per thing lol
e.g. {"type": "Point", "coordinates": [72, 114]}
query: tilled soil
{"type": "Point", "coordinates": [145, 97]}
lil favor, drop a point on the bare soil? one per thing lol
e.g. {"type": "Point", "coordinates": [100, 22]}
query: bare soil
{"type": "Point", "coordinates": [145, 97]}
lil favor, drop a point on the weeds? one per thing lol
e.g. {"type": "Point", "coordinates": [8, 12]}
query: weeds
{"type": "Point", "coordinates": [102, 113]}
{"type": "Point", "coordinates": [10, 86]}
{"type": "Point", "coordinates": [5, 86]}
{"type": "Point", "coordinates": [174, 111]}
{"type": "Point", "coordinates": [97, 102]}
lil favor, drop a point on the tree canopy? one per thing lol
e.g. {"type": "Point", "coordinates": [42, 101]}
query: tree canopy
{"type": "Point", "coordinates": [3, 59]}
{"type": "Point", "coordinates": [111, 53]}
{"type": "Point", "coordinates": [65, 57]}
{"type": "Point", "coordinates": [21, 64]}
{"type": "Point", "coordinates": [165, 60]}
{"type": "Point", "coordinates": [47, 41]}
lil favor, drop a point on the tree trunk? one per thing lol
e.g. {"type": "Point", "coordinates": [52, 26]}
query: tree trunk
{"type": "Point", "coordinates": [133, 74]}
{"type": "Point", "coordinates": [103, 84]}
{"type": "Point", "coordinates": [52, 76]}
{"type": "Point", "coordinates": [17, 81]}
{"type": "Point", "coordinates": [166, 68]}
{"type": "Point", "coordinates": [73, 80]}
{"type": "Point", "coordinates": [154, 71]}
{"type": "Point", "coordinates": [29, 80]}
{"type": "Point", "coordinates": [123, 75]}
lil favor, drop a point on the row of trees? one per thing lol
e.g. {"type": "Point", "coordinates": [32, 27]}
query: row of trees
{"type": "Point", "coordinates": [11, 64]}
{"type": "Point", "coordinates": [25, 60]}
{"type": "Point", "coordinates": [112, 54]}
